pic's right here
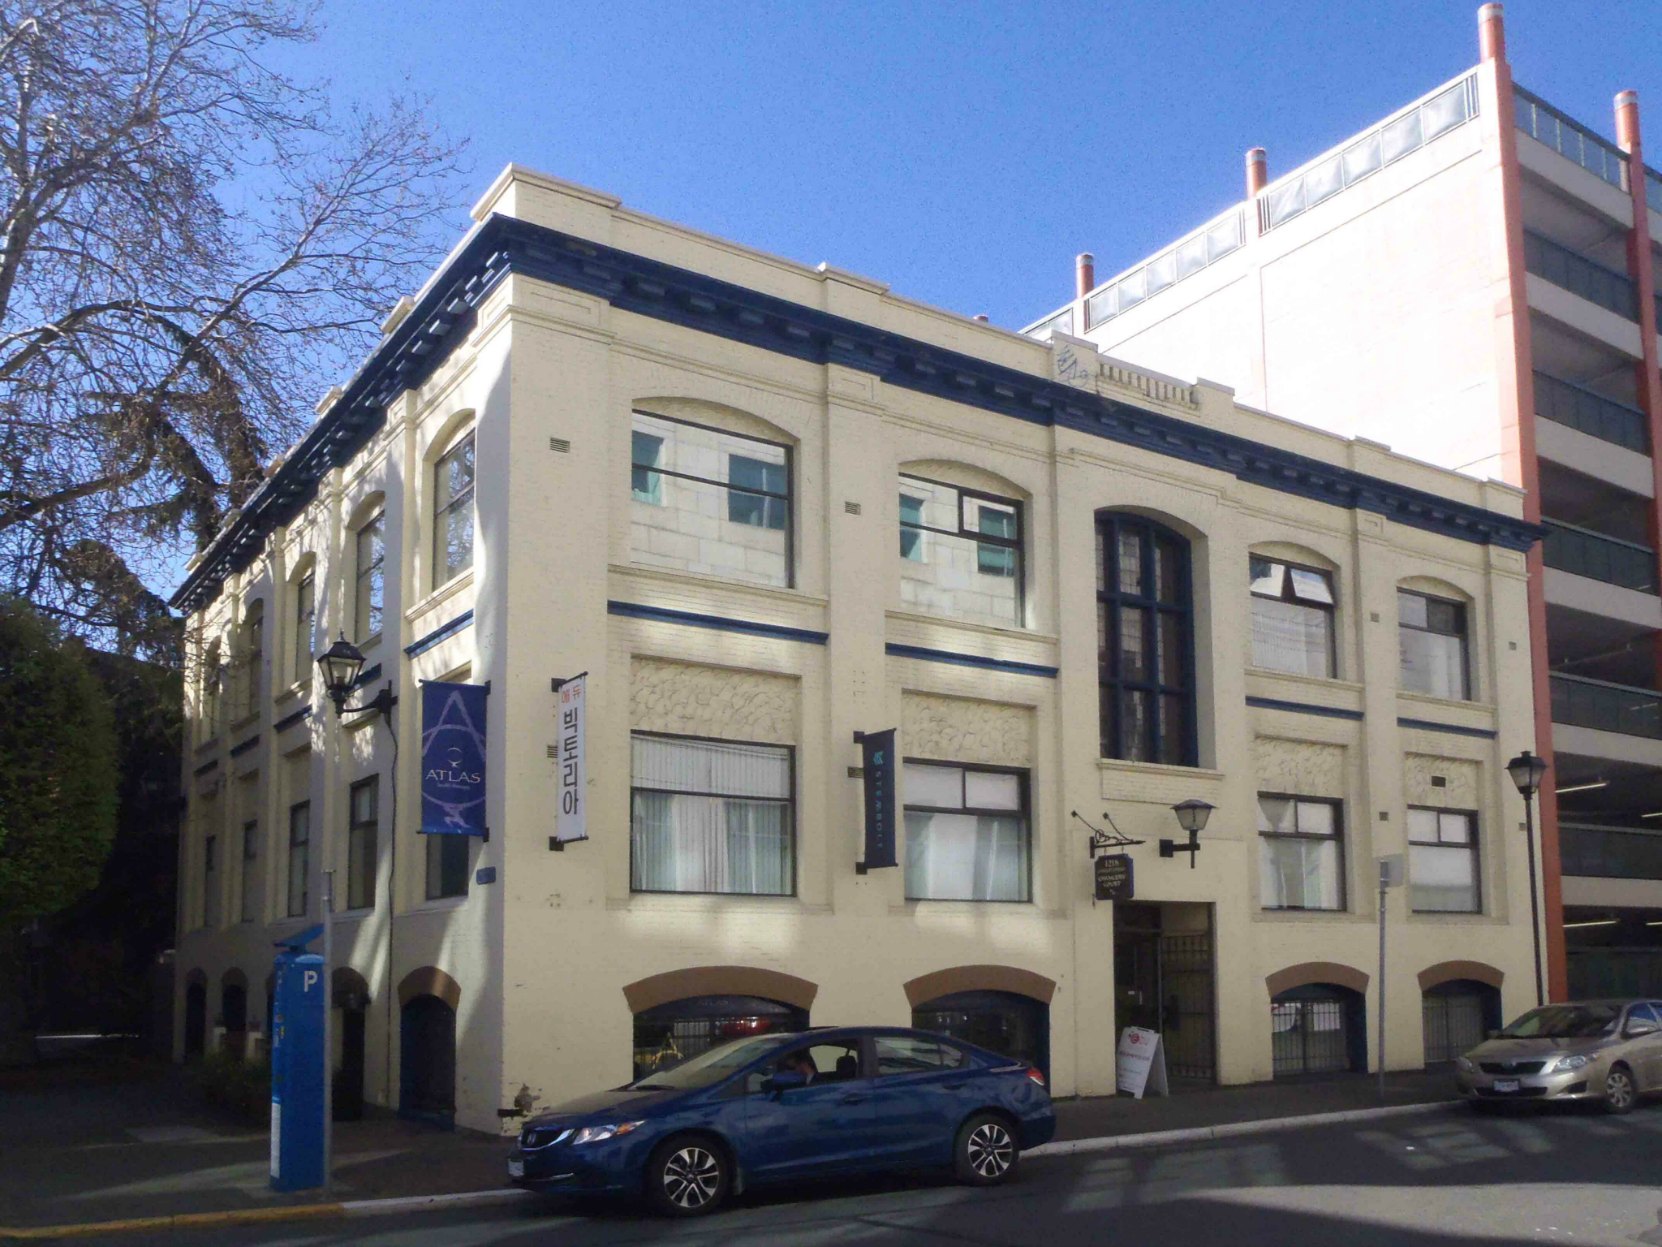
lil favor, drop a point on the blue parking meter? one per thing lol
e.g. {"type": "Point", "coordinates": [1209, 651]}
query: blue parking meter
{"type": "Point", "coordinates": [297, 1126]}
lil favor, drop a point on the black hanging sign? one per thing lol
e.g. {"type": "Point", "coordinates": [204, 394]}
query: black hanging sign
{"type": "Point", "coordinates": [1114, 878]}
{"type": "Point", "coordinates": [877, 762]}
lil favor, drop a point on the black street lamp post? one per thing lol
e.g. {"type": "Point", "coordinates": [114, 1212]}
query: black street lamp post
{"type": "Point", "coordinates": [1527, 771]}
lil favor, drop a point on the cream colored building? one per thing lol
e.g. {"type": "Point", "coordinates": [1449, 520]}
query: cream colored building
{"type": "Point", "coordinates": [766, 507]}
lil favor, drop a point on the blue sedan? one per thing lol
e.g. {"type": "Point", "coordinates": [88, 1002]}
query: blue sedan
{"type": "Point", "coordinates": [777, 1108]}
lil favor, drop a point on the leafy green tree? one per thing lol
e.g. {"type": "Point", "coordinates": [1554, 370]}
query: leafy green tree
{"type": "Point", "coordinates": [58, 785]}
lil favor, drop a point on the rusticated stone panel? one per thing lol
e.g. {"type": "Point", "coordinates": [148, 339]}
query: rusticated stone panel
{"type": "Point", "coordinates": [961, 729]}
{"type": "Point", "coordinates": [1303, 767]}
{"type": "Point", "coordinates": [1459, 790]}
{"type": "Point", "coordinates": [690, 700]}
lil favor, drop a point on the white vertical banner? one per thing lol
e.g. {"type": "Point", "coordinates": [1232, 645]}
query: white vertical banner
{"type": "Point", "coordinates": [571, 819]}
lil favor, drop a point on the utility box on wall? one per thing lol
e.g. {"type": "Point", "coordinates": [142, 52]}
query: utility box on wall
{"type": "Point", "coordinates": [297, 1124]}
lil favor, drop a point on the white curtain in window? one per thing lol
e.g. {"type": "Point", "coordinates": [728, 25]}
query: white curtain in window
{"type": "Point", "coordinates": [724, 825]}
{"type": "Point", "coordinates": [965, 857]}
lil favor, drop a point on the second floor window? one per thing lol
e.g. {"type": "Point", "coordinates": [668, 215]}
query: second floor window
{"type": "Point", "coordinates": [1145, 659]}
{"type": "Point", "coordinates": [1292, 618]}
{"type": "Point", "coordinates": [249, 899]}
{"type": "Point", "coordinates": [960, 553]}
{"type": "Point", "coordinates": [362, 856]}
{"type": "Point", "coordinates": [447, 866]}
{"type": "Point", "coordinates": [1442, 861]}
{"type": "Point", "coordinates": [253, 658]}
{"type": "Point", "coordinates": [305, 618]}
{"type": "Point", "coordinates": [1301, 855]}
{"type": "Point", "coordinates": [711, 816]}
{"type": "Point", "coordinates": [299, 863]}
{"type": "Point", "coordinates": [709, 501]}
{"type": "Point", "coordinates": [966, 834]}
{"type": "Point", "coordinates": [453, 512]}
{"type": "Point", "coordinates": [1431, 638]}
{"type": "Point", "coordinates": [210, 882]}
{"type": "Point", "coordinates": [370, 577]}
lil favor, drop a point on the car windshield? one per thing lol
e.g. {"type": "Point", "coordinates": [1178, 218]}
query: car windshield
{"type": "Point", "coordinates": [709, 1068]}
{"type": "Point", "coordinates": [1565, 1022]}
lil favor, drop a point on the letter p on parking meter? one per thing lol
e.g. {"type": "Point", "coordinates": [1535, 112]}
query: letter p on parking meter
{"type": "Point", "coordinates": [297, 1126]}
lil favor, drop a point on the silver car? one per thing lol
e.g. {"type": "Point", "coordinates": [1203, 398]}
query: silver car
{"type": "Point", "coordinates": [1605, 1050]}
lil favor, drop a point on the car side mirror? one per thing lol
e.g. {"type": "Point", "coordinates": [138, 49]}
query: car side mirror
{"type": "Point", "coordinates": [1637, 1030]}
{"type": "Point", "coordinates": [784, 1080]}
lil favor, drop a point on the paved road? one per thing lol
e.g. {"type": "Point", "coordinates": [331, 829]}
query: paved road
{"type": "Point", "coordinates": [1441, 1180]}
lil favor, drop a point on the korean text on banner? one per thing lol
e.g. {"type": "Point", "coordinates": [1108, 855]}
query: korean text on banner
{"type": "Point", "coordinates": [571, 820]}
{"type": "Point", "coordinates": [877, 762]}
{"type": "Point", "coordinates": [453, 759]}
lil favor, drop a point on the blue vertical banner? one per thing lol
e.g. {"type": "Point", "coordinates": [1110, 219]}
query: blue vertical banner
{"type": "Point", "coordinates": [453, 759]}
{"type": "Point", "coordinates": [877, 762]}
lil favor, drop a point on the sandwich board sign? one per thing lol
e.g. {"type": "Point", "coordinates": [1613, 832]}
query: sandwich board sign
{"type": "Point", "coordinates": [1140, 1062]}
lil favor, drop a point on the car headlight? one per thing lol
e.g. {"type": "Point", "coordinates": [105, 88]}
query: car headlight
{"type": "Point", "coordinates": [599, 1134]}
{"type": "Point", "coordinates": [1565, 1064]}
{"type": "Point", "coordinates": [1462, 1063]}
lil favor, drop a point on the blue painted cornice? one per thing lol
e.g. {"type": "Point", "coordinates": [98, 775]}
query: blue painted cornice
{"type": "Point", "coordinates": [634, 283]}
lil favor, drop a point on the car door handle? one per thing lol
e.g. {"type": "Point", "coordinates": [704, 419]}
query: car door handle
{"type": "Point", "coordinates": [853, 1097]}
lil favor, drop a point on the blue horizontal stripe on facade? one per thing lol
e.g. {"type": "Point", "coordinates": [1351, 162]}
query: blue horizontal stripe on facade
{"type": "Point", "coordinates": [210, 765]}
{"type": "Point", "coordinates": [431, 639]}
{"type": "Point", "coordinates": [969, 660]}
{"type": "Point", "coordinates": [720, 623]}
{"type": "Point", "coordinates": [634, 283]}
{"type": "Point", "coordinates": [1427, 725]}
{"type": "Point", "coordinates": [368, 677]}
{"type": "Point", "coordinates": [1303, 707]}
{"type": "Point", "coordinates": [243, 747]}
{"type": "Point", "coordinates": [289, 720]}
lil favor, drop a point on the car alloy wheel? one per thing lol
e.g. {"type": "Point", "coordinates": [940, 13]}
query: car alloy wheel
{"type": "Point", "coordinates": [986, 1152]}
{"type": "Point", "coordinates": [1619, 1094]}
{"type": "Point", "coordinates": [691, 1179]}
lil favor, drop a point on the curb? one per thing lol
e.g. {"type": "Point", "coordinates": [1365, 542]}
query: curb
{"type": "Point", "coordinates": [1263, 1125]}
{"type": "Point", "coordinates": [256, 1216]}
{"type": "Point", "coordinates": [503, 1195]}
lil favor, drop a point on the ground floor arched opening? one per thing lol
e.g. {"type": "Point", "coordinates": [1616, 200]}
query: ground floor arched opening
{"type": "Point", "coordinates": [233, 1012]}
{"type": "Point", "coordinates": [196, 1015]}
{"type": "Point", "coordinates": [1010, 1024]}
{"type": "Point", "coordinates": [1457, 1015]}
{"type": "Point", "coordinates": [427, 1060]}
{"type": "Point", "coordinates": [1318, 1028]}
{"type": "Point", "coordinates": [350, 998]}
{"type": "Point", "coordinates": [672, 1032]}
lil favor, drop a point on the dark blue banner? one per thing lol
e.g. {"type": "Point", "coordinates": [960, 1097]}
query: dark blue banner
{"type": "Point", "coordinates": [453, 759]}
{"type": "Point", "coordinates": [877, 761]}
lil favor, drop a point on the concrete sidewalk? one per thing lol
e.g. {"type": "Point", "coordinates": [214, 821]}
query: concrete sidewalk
{"type": "Point", "coordinates": [93, 1147]}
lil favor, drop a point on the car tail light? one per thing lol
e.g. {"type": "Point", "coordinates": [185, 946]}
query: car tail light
{"type": "Point", "coordinates": [1035, 1075]}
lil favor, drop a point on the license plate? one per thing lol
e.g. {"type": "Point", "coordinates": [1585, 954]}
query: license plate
{"type": "Point", "coordinates": [1506, 1084]}
{"type": "Point", "coordinates": [516, 1168]}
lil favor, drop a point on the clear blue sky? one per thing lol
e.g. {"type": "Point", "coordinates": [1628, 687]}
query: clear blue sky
{"type": "Point", "coordinates": [960, 152]}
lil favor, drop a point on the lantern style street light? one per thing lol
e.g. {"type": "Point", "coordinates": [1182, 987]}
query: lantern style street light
{"type": "Point", "coordinates": [1191, 817]}
{"type": "Point", "coordinates": [1527, 771]}
{"type": "Point", "coordinates": [340, 664]}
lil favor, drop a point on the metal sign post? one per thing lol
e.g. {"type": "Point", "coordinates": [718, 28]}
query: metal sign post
{"type": "Point", "coordinates": [1390, 876]}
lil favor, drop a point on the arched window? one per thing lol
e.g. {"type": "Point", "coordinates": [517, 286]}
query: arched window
{"type": "Point", "coordinates": [453, 511]}
{"type": "Point", "coordinates": [304, 602]}
{"type": "Point", "coordinates": [369, 581]}
{"type": "Point", "coordinates": [1145, 639]}
{"type": "Point", "coordinates": [252, 658]}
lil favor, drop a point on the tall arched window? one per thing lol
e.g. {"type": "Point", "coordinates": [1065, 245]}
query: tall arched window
{"type": "Point", "coordinates": [1145, 641]}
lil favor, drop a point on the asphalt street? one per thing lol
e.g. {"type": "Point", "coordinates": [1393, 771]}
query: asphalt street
{"type": "Point", "coordinates": [1438, 1180]}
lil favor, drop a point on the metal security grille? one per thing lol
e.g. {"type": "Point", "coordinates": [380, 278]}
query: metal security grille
{"type": "Point", "coordinates": [1454, 1023]}
{"type": "Point", "coordinates": [1186, 974]}
{"type": "Point", "coordinates": [1309, 1037]}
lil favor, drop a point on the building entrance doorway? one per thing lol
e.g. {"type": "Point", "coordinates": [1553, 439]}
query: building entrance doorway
{"type": "Point", "coordinates": [1164, 981]}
